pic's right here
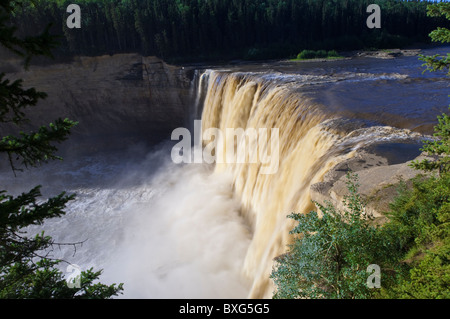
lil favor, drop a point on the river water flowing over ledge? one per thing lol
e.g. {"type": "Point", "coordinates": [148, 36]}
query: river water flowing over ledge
{"type": "Point", "coordinates": [212, 231]}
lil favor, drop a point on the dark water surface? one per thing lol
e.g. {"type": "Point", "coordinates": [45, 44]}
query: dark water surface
{"type": "Point", "coordinates": [146, 221]}
{"type": "Point", "coordinates": [394, 92]}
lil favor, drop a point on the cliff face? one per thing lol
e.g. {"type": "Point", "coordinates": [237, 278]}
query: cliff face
{"type": "Point", "coordinates": [117, 100]}
{"type": "Point", "coordinates": [123, 100]}
{"type": "Point", "coordinates": [380, 173]}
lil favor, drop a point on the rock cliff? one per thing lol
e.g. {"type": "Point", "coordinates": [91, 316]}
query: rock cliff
{"type": "Point", "coordinates": [380, 171]}
{"type": "Point", "coordinates": [118, 100]}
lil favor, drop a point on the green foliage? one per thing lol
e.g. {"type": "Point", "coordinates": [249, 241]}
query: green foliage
{"type": "Point", "coordinates": [226, 29]}
{"type": "Point", "coordinates": [36, 147]}
{"type": "Point", "coordinates": [333, 54]}
{"type": "Point", "coordinates": [42, 280]}
{"type": "Point", "coordinates": [25, 269]}
{"type": "Point", "coordinates": [439, 9]}
{"type": "Point", "coordinates": [307, 54]}
{"type": "Point", "coordinates": [429, 279]}
{"type": "Point", "coordinates": [331, 253]}
{"type": "Point", "coordinates": [13, 99]}
{"type": "Point", "coordinates": [420, 228]}
{"type": "Point", "coordinates": [28, 46]}
{"type": "Point", "coordinates": [438, 62]}
{"type": "Point", "coordinates": [439, 148]}
{"type": "Point", "coordinates": [420, 217]}
{"type": "Point", "coordinates": [320, 54]}
{"type": "Point", "coordinates": [413, 247]}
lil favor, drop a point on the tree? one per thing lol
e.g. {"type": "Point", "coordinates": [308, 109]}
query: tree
{"type": "Point", "coordinates": [438, 62]}
{"type": "Point", "coordinates": [440, 147]}
{"type": "Point", "coordinates": [26, 271]}
{"type": "Point", "coordinates": [331, 254]}
{"type": "Point", "coordinates": [186, 29]}
{"type": "Point", "coordinates": [420, 216]}
{"type": "Point", "coordinates": [419, 226]}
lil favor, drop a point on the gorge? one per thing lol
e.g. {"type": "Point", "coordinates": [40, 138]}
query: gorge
{"type": "Point", "coordinates": [212, 231]}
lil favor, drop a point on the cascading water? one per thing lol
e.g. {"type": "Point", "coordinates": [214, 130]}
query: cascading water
{"type": "Point", "coordinates": [242, 101]}
{"type": "Point", "coordinates": [200, 230]}
{"type": "Point", "coordinates": [311, 142]}
{"type": "Point", "coordinates": [148, 225]}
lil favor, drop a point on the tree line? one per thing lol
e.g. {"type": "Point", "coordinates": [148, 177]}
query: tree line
{"type": "Point", "coordinates": [215, 29]}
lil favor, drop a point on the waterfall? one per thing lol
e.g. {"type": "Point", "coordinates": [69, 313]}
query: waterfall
{"type": "Point", "coordinates": [308, 149]}
{"type": "Point", "coordinates": [210, 230]}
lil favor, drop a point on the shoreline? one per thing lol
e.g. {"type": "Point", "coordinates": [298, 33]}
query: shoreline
{"type": "Point", "coordinates": [377, 54]}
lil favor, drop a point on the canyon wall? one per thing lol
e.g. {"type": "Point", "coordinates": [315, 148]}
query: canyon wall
{"type": "Point", "coordinates": [118, 100]}
{"type": "Point", "coordinates": [125, 100]}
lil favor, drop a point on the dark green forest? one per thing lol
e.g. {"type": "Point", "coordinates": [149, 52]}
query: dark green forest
{"type": "Point", "coordinates": [226, 29]}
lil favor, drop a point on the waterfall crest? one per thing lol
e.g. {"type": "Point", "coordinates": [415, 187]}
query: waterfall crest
{"type": "Point", "coordinates": [307, 150]}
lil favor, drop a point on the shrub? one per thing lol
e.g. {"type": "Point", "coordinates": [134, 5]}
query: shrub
{"type": "Point", "coordinates": [306, 54]}
{"type": "Point", "coordinates": [330, 255]}
{"type": "Point", "coordinates": [333, 53]}
{"type": "Point", "coordinates": [420, 228]}
{"type": "Point", "coordinates": [320, 54]}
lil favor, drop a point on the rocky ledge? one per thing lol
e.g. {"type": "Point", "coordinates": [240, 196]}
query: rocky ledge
{"type": "Point", "coordinates": [118, 100]}
{"type": "Point", "coordinates": [380, 169]}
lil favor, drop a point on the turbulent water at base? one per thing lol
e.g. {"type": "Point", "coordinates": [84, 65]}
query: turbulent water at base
{"type": "Point", "coordinates": [212, 231]}
{"type": "Point", "coordinates": [311, 142]}
{"type": "Point", "coordinates": [147, 224]}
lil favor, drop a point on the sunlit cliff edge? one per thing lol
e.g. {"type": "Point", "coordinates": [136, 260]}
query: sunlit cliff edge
{"type": "Point", "coordinates": [125, 99]}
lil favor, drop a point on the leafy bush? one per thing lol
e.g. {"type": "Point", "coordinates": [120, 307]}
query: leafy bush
{"type": "Point", "coordinates": [319, 54]}
{"type": "Point", "coordinates": [420, 228]}
{"type": "Point", "coordinates": [413, 247]}
{"type": "Point", "coordinates": [440, 148]}
{"type": "Point", "coordinates": [330, 255]}
{"type": "Point", "coordinates": [306, 54]}
{"type": "Point", "coordinates": [333, 53]}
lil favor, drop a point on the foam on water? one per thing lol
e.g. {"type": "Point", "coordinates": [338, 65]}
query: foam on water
{"type": "Point", "coordinates": [173, 233]}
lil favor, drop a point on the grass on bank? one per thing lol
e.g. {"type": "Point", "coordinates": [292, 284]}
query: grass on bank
{"type": "Point", "coordinates": [318, 54]}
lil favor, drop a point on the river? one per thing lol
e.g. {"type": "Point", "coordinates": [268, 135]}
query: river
{"type": "Point", "coordinates": [205, 231]}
